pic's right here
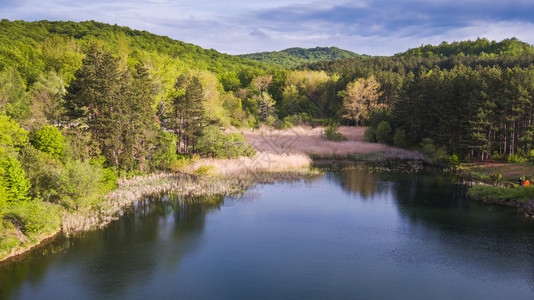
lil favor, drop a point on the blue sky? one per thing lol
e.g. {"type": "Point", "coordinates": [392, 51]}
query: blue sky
{"type": "Point", "coordinates": [376, 27]}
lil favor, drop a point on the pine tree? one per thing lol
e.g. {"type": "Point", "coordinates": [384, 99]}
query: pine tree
{"type": "Point", "coordinates": [187, 114]}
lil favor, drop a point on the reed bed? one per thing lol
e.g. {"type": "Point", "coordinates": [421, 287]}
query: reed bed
{"type": "Point", "coordinates": [228, 177]}
{"type": "Point", "coordinates": [307, 140]}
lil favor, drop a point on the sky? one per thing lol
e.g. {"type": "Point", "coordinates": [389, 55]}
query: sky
{"type": "Point", "coordinates": [374, 27]}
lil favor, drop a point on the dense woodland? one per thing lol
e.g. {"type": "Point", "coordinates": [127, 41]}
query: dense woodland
{"type": "Point", "coordinates": [83, 103]}
{"type": "Point", "coordinates": [294, 57]}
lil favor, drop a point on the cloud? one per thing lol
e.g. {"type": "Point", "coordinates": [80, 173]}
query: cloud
{"type": "Point", "coordinates": [258, 34]}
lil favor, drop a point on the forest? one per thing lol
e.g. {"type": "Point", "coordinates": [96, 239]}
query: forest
{"type": "Point", "coordinates": [82, 104]}
{"type": "Point", "coordinates": [294, 57]}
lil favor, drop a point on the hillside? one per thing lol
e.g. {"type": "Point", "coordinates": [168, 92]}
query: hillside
{"type": "Point", "coordinates": [480, 47]}
{"type": "Point", "coordinates": [294, 57]}
{"type": "Point", "coordinates": [37, 47]}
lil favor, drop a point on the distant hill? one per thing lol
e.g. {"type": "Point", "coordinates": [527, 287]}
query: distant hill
{"type": "Point", "coordinates": [294, 57]}
{"type": "Point", "coordinates": [36, 47]}
{"type": "Point", "coordinates": [480, 47]}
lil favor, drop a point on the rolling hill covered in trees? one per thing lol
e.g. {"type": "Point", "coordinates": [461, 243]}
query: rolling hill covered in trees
{"type": "Point", "coordinates": [293, 57]}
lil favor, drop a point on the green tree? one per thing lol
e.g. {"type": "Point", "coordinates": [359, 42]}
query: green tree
{"type": "Point", "coordinates": [383, 132]}
{"type": "Point", "coordinates": [13, 178]}
{"type": "Point", "coordinates": [49, 139]}
{"type": "Point", "coordinates": [187, 115]}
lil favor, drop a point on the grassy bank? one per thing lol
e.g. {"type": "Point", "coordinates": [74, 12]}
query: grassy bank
{"type": "Point", "coordinates": [496, 183]}
{"type": "Point", "coordinates": [521, 197]}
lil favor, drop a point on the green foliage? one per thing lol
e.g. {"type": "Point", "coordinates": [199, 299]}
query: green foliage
{"type": "Point", "coordinates": [11, 134]}
{"type": "Point", "coordinates": [516, 158]}
{"type": "Point", "coordinates": [80, 183]}
{"type": "Point", "coordinates": [165, 153]}
{"type": "Point", "coordinates": [332, 134]}
{"type": "Point", "coordinates": [4, 195]}
{"type": "Point", "coordinates": [434, 153]}
{"type": "Point", "coordinates": [49, 139]}
{"type": "Point", "coordinates": [383, 132]}
{"type": "Point", "coordinates": [13, 179]}
{"type": "Point", "coordinates": [205, 171]}
{"type": "Point", "coordinates": [42, 171]}
{"type": "Point", "coordinates": [453, 160]}
{"type": "Point", "coordinates": [399, 139]}
{"type": "Point", "coordinates": [480, 47]}
{"type": "Point", "coordinates": [370, 135]}
{"type": "Point", "coordinates": [496, 178]}
{"type": "Point", "coordinates": [213, 142]}
{"type": "Point", "coordinates": [36, 216]}
{"type": "Point", "coordinates": [294, 57]}
{"type": "Point", "coordinates": [520, 194]}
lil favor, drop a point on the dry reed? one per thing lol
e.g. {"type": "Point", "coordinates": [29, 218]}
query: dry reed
{"type": "Point", "coordinates": [307, 140]}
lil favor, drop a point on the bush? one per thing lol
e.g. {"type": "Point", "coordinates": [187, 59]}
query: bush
{"type": "Point", "coordinates": [80, 183]}
{"type": "Point", "coordinates": [370, 135]}
{"type": "Point", "coordinates": [270, 120]}
{"type": "Point", "coordinates": [205, 170]}
{"type": "Point", "coordinates": [213, 142]}
{"type": "Point", "coordinates": [383, 132]}
{"type": "Point", "coordinates": [433, 153]}
{"type": "Point", "coordinates": [332, 134]}
{"type": "Point", "coordinates": [37, 216]}
{"type": "Point", "coordinates": [49, 139]}
{"type": "Point", "coordinates": [453, 160]}
{"type": "Point", "coordinates": [399, 139]}
{"type": "Point", "coordinates": [516, 158]}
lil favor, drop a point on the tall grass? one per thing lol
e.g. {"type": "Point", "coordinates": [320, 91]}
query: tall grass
{"type": "Point", "coordinates": [307, 140]}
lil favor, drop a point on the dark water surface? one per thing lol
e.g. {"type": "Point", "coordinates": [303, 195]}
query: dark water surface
{"type": "Point", "coordinates": [347, 235]}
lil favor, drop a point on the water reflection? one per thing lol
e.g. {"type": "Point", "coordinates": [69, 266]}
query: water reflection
{"type": "Point", "coordinates": [349, 231]}
{"type": "Point", "coordinates": [445, 228]}
{"type": "Point", "coordinates": [156, 234]}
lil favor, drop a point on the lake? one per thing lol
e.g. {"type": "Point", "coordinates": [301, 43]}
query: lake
{"type": "Point", "coordinates": [349, 234]}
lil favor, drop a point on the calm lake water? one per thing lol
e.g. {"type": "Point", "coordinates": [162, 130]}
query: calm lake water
{"type": "Point", "coordinates": [346, 235]}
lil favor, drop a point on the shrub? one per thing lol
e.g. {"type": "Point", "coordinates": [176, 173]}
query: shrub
{"type": "Point", "coordinates": [453, 160]}
{"type": "Point", "coordinates": [205, 170]}
{"type": "Point", "coordinates": [80, 183]}
{"type": "Point", "coordinates": [399, 139]}
{"type": "Point", "coordinates": [383, 132]}
{"type": "Point", "coordinates": [213, 142]}
{"type": "Point", "coordinates": [433, 153]}
{"type": "Point", "coordinates": [496, 178]}
{"type": "Point", "coordinates": [270, 120]}
{"type": "Point", "coordinates": [49, 139]}
{"type": "Point", "coordinates": [370, 135]}
{"type": "Point", "coordinates": [516, 158]}
{"type": "Point", "coordinates": [37, 215]}
{"type": "Point", "coordinates": [332, 134]}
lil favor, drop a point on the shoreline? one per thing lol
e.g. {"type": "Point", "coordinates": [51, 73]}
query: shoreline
{"type": "Point", "coordinates": [228, 177]}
